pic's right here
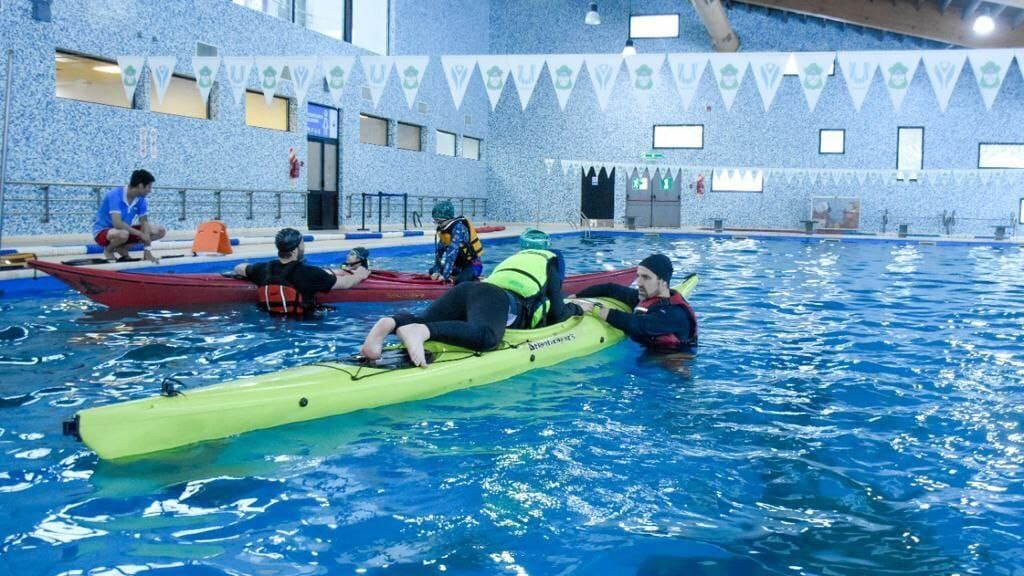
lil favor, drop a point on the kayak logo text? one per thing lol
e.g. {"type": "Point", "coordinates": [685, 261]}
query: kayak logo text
{"type": "Point", "coordinates": [552, 341]}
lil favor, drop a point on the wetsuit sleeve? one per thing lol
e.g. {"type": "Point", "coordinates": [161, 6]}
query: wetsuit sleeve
{"type": "Point", "coordinates": [627, 296]}
{"type": "Point", "coordinates": [460, 235]}
{"type": "Point", "coordinates": [318, 280]}
{"type": "Point", "coordinates": [662, 320]}
{"type": "Point", "coordinates": [255, 273]}
{"type": "Point", "coordinates": [560, 309]}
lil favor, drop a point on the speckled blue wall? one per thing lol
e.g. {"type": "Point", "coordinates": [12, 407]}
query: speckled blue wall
{"type": "Point", "coordinates": [785, 137]}
{"type": "Point", "coordinates": [55, 139]}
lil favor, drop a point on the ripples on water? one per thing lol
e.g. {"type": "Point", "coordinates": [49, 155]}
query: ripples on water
{"type": "Point", "coordinates": [853, 409]}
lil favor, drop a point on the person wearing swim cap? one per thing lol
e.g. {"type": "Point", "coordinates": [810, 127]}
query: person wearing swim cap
{"type": "Point", "coordinates": [457, 248]}
{"type": "Point", "coordinates": [288, 285]}
{"type": "Point", "coordinates": [661, 319]}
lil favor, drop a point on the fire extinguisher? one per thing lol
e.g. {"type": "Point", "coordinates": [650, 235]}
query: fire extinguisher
{"type": "Point", "coordinates": [294, 164]}
{"type": "Point", "coordinates": [700, 185]}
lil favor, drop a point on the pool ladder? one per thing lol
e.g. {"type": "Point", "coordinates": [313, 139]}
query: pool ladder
{"type": "Point", "coordinates": [579, 221]}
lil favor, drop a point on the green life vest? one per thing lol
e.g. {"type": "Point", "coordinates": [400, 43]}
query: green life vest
{"type": "Point", "coordinates": [526, 274]}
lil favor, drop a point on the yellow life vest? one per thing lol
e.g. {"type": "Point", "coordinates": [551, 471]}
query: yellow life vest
{"type": "Point", "coordinates": [526, 274]}
{"type": "Point", "coordinates": [444, 237]}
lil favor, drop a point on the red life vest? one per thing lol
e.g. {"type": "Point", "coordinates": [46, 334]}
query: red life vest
{"type": "Point", "coordinates": [670, 341]}
{"type": "Point", "coordinates": [279, 296]}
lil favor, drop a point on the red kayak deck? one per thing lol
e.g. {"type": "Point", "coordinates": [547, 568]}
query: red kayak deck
{"type": "Point", "coordinates": [118, 289]}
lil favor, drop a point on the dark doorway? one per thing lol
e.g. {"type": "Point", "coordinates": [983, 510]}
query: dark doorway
{"type": "Point", "coordinates": [322, 167]}
{"type": "Point", "coordinates": [597, 194]}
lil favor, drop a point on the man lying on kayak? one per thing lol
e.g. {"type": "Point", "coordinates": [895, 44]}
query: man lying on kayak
{"type": "Point", "coordinates": [523, 292]}
{"type": "Point", "coordinates": [662, 320]}
{"type": "Point", "coordinates": [288, 285]}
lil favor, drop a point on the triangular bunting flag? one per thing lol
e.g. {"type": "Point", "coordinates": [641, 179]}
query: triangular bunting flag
{"type": "Point", "coordinates": [990, 68]}
{"type": "Point", "coordinates": [549, 162]}
{"type": "Point", "coordinates": [205, 68]}
{"type": "Point", "coordinates": [603, 69]}
{"type": "Point", "coordinates": [959, 176]}
{"type": "Point", "coordinates": [687, 70]}
{"type": "Point", "coordinates": [898, 70]}
{"type": "Point", "coordinates": [565, 166]}
{"type": "Point", "coordinates": [494, 70]}
{"type": "Point", "coordinates": [729, 71]}
{"type": "Point", "coordinates": [131, 72]}
{"type": "Point", "coordinates": [458, 70]}
{"type": "Point", "coordinates": [161, 68]}
{"type": "Point", "coordinates": [858, 71]}
{"type": "Point", "coordinates": [944, 67]}
{"type": "Point", "coordinates": [410, 72]}
{"type": "Point", "coordinates": [768, 69]}
{"type": "Point", "coordinates": [564, 69]}
{"type": "Point", "coordinates": [376, 72]}
{"type": "Point", "coordinates": [644, 71]}
{"type": "Point", "coordinates": [525, 70]}
{"type": "Point", "coordinates": [985, 176]}
{"type": "Point", "coordinates": [813, 67]}
{"type": "Point", "coordinates": [268, 71]}
{"type": "Point", "coordinates": [862, 176]}
{"type": "Point", "coordinates": [302, 70]}
{"type": "Point", "coordinates": [336, 70]}
{"type": "Point", "coordinates": [237, 69]}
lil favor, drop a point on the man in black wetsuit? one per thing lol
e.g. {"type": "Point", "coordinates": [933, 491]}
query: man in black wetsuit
{"type": "Point", "coordinates": [661, 319]}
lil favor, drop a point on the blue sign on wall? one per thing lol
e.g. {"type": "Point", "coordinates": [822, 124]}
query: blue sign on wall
{"type": "Point", "coordinates": [321, 121]}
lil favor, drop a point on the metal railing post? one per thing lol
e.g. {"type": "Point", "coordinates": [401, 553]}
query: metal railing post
{"type": "Point", "coordinates": [248, 216]}
{"type": "Point", "coordinates": [305, 206]}
{"type": "Point", "coordinates": [405, 211]}
{"type": "Point", "coordinates": [216, 195]}
{"type": "Point", "coordinates": [181, 200]}
{"type": "Point", "coordinates": [278, 215]}
{"type": "Point", "coordinates": [46, 203]}
{"type": "Point", "coordinates": [380, 213]}
{"type": "Point", "coordinates": [362, 208]}
{"type": "Point", "coordinates": [97, 195]}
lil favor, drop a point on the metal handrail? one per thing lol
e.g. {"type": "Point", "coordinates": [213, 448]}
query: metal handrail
{"type": "Point", "coordinates": [418, 203]}
{"type": "Point", "coordinates": [577, 215]}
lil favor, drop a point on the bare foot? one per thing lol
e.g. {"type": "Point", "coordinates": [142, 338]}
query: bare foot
{"type": "Point", "coordinates": [413, 336]}
{"type": "Point", "coordinates": [374, 342]}
{"type": "Point", "coordinates": [108, 254]}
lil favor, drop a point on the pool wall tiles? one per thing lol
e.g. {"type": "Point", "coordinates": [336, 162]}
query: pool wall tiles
{"type": "Point", "coordinates": [784, 137]}
{"type": "Point", "coordinates": [53, 139]}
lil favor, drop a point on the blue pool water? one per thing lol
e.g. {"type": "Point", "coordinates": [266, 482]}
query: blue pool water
{"type": "Point", "coordinates": [853, 409]}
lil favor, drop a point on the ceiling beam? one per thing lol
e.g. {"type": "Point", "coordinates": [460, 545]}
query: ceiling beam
{"type": "Point", "coordinates": [1018, 21]}
{"type": "Point", "coordinates": [943, 4]}
{"type": "Point", "coordinates": [929, 22]}
{"type": "Point", "coordinates": [971, 8]}
{"type": "Point", "coordinates": [1010, 3]}
{"type": "Point", "coordinates": [997, 10]}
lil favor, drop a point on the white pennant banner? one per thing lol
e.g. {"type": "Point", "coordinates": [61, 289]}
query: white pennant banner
{"type": "Point", "coordinates": [205, 69]}
{"type": "Point", "coordinates": [944, 67]}
{"type": "Point", "coordinates": [565, 166]}
{"type": "Point", "coordinates": [549, 162]}
{"type": "Point", "coordinates": [862, 176]}
{"type": "Point", "coordinates": [161, 68]}
{"type": "Point", "coordinates": [729, 71]}
{"type": "Point", "coordinates": [337, 70]}
{"type": "Point", "coordinates": [859, 72]}
{"type": "Point", "coordinates": [494, 70]}
{"type": "Point", "coordinates": [687, 70]}
{"type": "Point", "coordinates": [813, 68]}
{"type": "Point", "coordinates": [564, 70]}
{"type": "Point", "coordinates": [237, 69]}
{"type": "Point", "coordinates": [131, 72]}
{"type": "Point", "coordinates": [457, 71]}
{"type": "Point", "coordinates": [898, 69]}
{"type": "Point", "coordinates": [603, 70]}
{"type": "Point", "coordinates": [268, 71]}
{"type": "Point", "coordinates": [525, 71]}
{"type": "Point", "coordinates": [644, 71]}
{"type": "Point", "coordinates": [768, 69]}
{"type": "Point", "coordinates": [376, 72]}
{"type": "Point", "coordinates": [410, 71]}
{"type": "Point", "coordinates": [990, 68]}
{"type": "Point", "coordinates": [302, 70]}
{"type": "Point", "coordinates": [1020, 61]}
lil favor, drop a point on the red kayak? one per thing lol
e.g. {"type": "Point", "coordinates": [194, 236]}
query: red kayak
{"type": "Point", "coordinates": [138, 290]}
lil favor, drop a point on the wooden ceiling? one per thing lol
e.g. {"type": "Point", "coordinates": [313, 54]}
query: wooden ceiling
{"type": "Point", "coordinates": [947, 21]}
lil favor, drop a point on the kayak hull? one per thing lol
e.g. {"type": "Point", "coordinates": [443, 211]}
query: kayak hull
{"type": "Point", "coordinates": [117, 289]}
{"type": "Point", "coordinates": [144, 426]}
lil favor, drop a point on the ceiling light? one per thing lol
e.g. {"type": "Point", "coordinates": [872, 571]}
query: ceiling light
{"type": "Point", "coordinates": [628, 49]}
{"type": "Point", "coordinates": [108, 69]}
{"type": "Point", "coordinates": [984, 25]}
{"type": "Point", "coordinates": [593, 18]}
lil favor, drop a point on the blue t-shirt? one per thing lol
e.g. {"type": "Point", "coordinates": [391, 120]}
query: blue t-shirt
{"type": "Point", "coordinates": [117, 201]}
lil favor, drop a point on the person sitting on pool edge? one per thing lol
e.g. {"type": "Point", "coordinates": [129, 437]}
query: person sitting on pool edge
{"type": "Point", "coordinates": [114, 228]}
{"type": "Point", "coordinates": [457, 248]}
{"type": "Point", "coordinates": [661, 319]}
{"type": "Point", "coordinates": [524, 291]}
{"type": "Point", "coordinates": [288, 285]}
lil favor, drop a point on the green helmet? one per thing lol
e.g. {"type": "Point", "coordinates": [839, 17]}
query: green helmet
{"type": "Point", "coordinates": [443, 210]}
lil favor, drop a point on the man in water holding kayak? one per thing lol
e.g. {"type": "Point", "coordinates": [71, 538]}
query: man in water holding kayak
{"type": "Point", "coordinates": [288, 285]}
{"type": "Point", "coordinates": [523, 292]}
{"type": "Point", "coordinates": [661, 319]}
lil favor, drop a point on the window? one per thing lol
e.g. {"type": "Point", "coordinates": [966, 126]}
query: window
{"type": "Point", "coordinates": [324, 16]}
{"type": "Point", "coordinates": [361, 22]}
{"type": "Point", "coordinates": [279, 8]}
{"type": "Point", "coordinates": [410, 137]}
{"type": "Point", "coordinates": [181, 99]}
{"type": "Point", "coordinates": [792, 70]}
{"type": "Point", "coordinates": [909, 152]}
{"type": "Point", "coordinates": [373, 130]}
{"type": "Point", "coordinates": [687, 136]}
{"type": "Point", "coordinates": [1020, 214]}
{"type": "Point", "coordinates": [445, 143]}
{"type": "Point", "coordinates": [654, 26]}
{"type": "Point", "coordinates": [259, 115]}
{"type": "Point", "coordinates": [1001, 156]}
{"type": "Point", "coordinates": [471, 148]}
{"type": "Point", "coordinates": [89, 80]}
{"type": "Point", "coordinates": [369, 27]}
{"type": "Point", "coordinates": [737, 181]}
{"type": "Point", "coordinates": [831, 141]}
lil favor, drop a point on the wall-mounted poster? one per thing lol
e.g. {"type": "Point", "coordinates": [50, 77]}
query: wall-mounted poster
{"type": "Point", "coordinates": [836, 213]}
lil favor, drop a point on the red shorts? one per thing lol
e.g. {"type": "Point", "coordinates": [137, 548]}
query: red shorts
{"type": "Point", "coordinates": [101, 236]}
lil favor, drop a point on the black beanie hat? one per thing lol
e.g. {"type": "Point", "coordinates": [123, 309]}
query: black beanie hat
{"type": "Point", "coordinates": [660, 265]}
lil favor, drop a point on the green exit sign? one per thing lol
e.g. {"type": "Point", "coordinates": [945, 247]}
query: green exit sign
{"type": "Point", "coordinates": [652, 155]}
{"type": "Point", "coordinates": [666, 183]}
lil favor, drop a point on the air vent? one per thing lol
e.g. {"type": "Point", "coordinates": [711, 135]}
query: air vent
{"type": "Point", "coordinates": [422, 107]}
{"type": "Point", "coordinates": [469, 119]}
{"type": "Point", "coordinates": [203, 49]}
{"type": "Point", "coordinates": [367, 95]}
